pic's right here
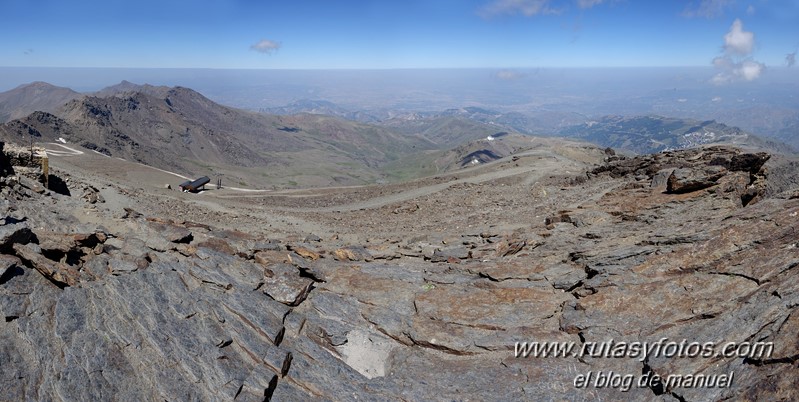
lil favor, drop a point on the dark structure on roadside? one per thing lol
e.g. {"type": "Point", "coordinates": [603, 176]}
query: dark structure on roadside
{"type": "Point", "coordinates": [194, 186]}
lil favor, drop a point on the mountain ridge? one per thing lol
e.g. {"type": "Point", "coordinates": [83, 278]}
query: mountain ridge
{"type": "Point", "coordinates": [652, 133]}
{"type": "Point", "coordinates": [35, 96]}
{"type": "Point", "coordinates": [178, 128]}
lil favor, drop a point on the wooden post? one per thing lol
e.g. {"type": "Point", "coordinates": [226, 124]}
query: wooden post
{"type": "Point", "coordinates": [46, 171]}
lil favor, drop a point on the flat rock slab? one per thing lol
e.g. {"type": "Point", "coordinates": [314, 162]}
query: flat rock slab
{"type": "Point", "coordinates": [283, 283]}
{"type": "Point", "coordinates": [489, 305]}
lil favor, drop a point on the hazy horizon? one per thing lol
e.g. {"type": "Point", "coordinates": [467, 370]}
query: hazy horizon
{"type": "Point", "coordinates": [583, 90]}
{"type": "Point", "coordinates": [738, 38]}
{"type": "Point", "coordinates": [591, 57]}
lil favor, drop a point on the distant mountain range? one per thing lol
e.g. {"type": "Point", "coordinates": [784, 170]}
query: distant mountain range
{"type": "Point", "coordinates": [181, 130]}
{"type": "Point", "coordinates": [317, 142]}
{"type": "Point", "coordinates": [541, 122]}
{"type": "Point", "coordinates": [780, 123]}
{"type": "Point", "coordinates": [321, 107]}
{"type": "Point", "coordinates": [638, 134]}
{"type": "Point", "coordinates": [649, 134]}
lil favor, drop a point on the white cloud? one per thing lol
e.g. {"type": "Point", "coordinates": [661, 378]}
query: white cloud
{"type": "Point", "coordinates": [527, 8]}
{"type": "Point", "coordinates": [736, 64]}
{"type": "Point", "coordinates": [750, 69]}
{"type": "Point", "coordinates": [790, 59]}
{"type": "Point", "coordinates": [746, 70]}
{"type": "Point", "coordinates": [265, 46]}
{"type": "Point", "coordinates": [737, 40]}
{"type": "Point", "coordinates": [589, 3]}
{"type": "Point", "coordinates": [750, 10]}
{"type": "Point", "coordinates": [707, 8]}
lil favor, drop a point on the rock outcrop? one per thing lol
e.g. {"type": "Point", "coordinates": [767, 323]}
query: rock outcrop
{"type": "Point", "coordinates": [648, 248]}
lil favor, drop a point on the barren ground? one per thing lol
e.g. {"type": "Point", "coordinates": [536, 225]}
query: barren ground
{"type": "Point", "coordinates": [411, 291]}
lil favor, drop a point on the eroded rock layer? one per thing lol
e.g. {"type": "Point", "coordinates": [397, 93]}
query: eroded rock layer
{"type": "Point", "coordinates": [688, 245]}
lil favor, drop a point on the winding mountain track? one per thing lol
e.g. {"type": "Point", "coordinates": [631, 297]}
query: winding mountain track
{"type": "Point", "coordinates": [545, 163]}
{"type": "Point", "coordinates": [62, 150]}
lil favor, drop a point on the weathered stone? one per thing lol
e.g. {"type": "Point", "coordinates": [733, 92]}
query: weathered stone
{"type": "Point", "coordinates": [118, 265]}
{"type": "Point", "coordinates": [352, 253]}
{"type": "Point", "coordinates": [268, 245]}
{"type": "Point", "coordinates": [218, 245]}
{"type": "Point", "coordinates": [130, 213]}
{"type": "Point", "coordinates": [509, 247]}
{"type": "Point", "coordinates": [688, 180]}
{"type": "Point", "coordinates": [14, 233]}
{"type": "Point", "coordinates": [283, 283]}
{"type": "Point", "coordinates": [312, 238]}
{"type": "Point", "coordinates": [661, 178]}
{"type": "Point", "coordinates": [177, 234]}
{"type": "Point", "coordinates": [8, 267]}
{"type": "Point", "coordinates": [564, 276]}
{"type": "Point", "coordinates": [57, 272]}
{"type": "Point", "coordinates": [748, 162]}
{"type": "Point", "coordinates": [457, 252]}
{"type": "Point", "coordinates": [305, 253]}
{"type": "Point", "coordinates": [234, 317]}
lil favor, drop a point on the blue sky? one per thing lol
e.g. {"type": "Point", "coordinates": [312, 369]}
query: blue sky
{"type": "Point", "coordinates": [400, 34]}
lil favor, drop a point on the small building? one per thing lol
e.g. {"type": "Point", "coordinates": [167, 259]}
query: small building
{"type": "Point", "coordinates": [194, 186]}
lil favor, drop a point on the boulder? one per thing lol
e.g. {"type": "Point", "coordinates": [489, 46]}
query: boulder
{"type": "Point", "coordinates": [661, 178]}
{"type": "Point", "coordinates": [686, 180]}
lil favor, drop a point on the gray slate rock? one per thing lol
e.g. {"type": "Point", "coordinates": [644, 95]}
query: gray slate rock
{"type": "Point", "coordinates": [687, 180]}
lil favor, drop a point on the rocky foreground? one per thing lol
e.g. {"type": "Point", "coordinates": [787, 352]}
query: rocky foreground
{"type": "Point", "coordinates": [697, 245]}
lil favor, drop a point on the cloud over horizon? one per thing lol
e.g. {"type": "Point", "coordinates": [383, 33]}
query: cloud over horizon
{"type": "Point", "coordinates": [265, 46]}
{"type": "Point", "coordinates": [509, 75]}
{"type": "Point", "coordinates": [790, 59]}
{"type": "Point", "coordinates": [527, 8]}
{"type": "Point", "coordinates": [736, 63]}
{"type": "Point", "coordinates": [589, 3]}
{"type": "Point", "coordinates": [707, 9]}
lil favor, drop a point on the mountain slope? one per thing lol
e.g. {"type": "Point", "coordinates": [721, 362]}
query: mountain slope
{"type": "Point", "coordinates": [444, 131]}
{"type": "Point", "coordinates": [479, 152]}
{"type": "Point", "coordinates": [181, 130]}
{"type": "Point", "coordinates": [322, 107]}
{"type": "Point", "coordinates": [36, 96]}
{"type": "Point", "coordinates": [535, 122]}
